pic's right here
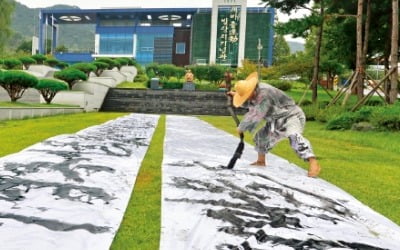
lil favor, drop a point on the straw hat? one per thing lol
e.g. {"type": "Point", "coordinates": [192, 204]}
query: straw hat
{"type": "Point", "coordinates": [244, 88]}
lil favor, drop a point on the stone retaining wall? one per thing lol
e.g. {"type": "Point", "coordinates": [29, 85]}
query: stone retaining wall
{"type": "Point", "coordinates": [166, 102]}
{"type": "Point", "coordinates": [23, 113]}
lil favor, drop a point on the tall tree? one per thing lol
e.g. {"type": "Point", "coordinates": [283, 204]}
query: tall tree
{"type": "Point", "coordinates": [394, 51]}
{"type": "Point", "coordinates": [302, 26]}
{"type": "Point", "coordinates": [6, 10]}
{"type": "Point", "coordinates": [281, 49]}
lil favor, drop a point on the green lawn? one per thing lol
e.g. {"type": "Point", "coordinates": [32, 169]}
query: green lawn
{"type": "Point", "coordinates": [365, 164]}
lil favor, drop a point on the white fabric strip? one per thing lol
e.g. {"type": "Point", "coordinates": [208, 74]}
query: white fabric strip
{"type": "Point", "coordinates": [71, 191]}
{"type": "Point", "coordinates": [277, 207]}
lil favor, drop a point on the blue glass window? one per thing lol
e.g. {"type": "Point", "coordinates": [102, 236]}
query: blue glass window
{"type": "Point", "coordinates": [117, 44]}
{"type": "Point", "coordinates": [180, 48]}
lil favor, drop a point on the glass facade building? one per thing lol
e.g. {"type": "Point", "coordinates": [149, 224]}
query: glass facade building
{"type": "Point", "coordinates": [180, 36]}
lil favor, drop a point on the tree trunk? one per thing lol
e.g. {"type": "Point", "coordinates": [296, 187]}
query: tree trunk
{"type": "Point", "coordinates": [359, 66]}
{"type": "Point", "coordinates": [394, 51]}
{"type": "Point", "coordinates": [315, 79]}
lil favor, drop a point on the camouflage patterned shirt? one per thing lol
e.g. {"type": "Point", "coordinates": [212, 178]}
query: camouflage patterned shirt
{"type": "Point", "coordinates": [268, 104]}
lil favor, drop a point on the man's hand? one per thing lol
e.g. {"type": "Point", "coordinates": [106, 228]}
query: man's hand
{"type": "Point", "coordinates": [239, 131]}
{"type": "Point", "coordinates": [230, 93]}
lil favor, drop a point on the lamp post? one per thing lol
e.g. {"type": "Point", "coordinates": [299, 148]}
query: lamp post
{"type": "Point", "coordinates": [259, 48]}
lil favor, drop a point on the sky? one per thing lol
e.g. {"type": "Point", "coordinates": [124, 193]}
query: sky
{"type": "Point", "coordinates": [88, 4]}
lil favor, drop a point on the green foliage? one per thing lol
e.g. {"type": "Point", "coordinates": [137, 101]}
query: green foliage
{"type": "Point", "coordinates": [61, 48]}
{"type": "Point", "coordinates": [283, 85]}
{"type": "Point", "coordinates": [25, 46]}
{"type": "Point", "coordinates": [52, 62]}
{"type": "Point", "coordinates": [347, 119]}
{"type": "Point", "coordinates": [122, 61]}
{"type": "Point", "coordinates": [200, 71]}
{"type": "Point", "coordinates": [12, 63]}
{"type": "Point", "coordinates": [85, 67]}
{"type": "Point", "coordinates": [100, 67]}
{"type": "Point", "coordinates": [15, 82]}
{"type": "Point", "coordinates": [70, 75]}
{"type": "Point", "coordinates": [111, 63]}
{"type": "Point", "coordinates": [39, 58]}
{"type": "Point", "coordinates": [141, 78]}
{"type": "Point", "coordinates": [6, 10]}
{"type": "Point", "coordinates": [281, 49]}
{"type": "Point", "coordinates": [166, 71]}
{"type": "Point", "coordinates": [216, 74]}
{"type": "Point", "coordinates": [171, 84]}
{"type": "Point", "coordinates": [386, 118]}
{"type": "Point", "coordinates": [48, 88]}
{"type": "Point", "coordinates": [207, 87]}
{"type": "Point", "coordinates": [27, 61]}
{"type": "Point", "coordinates": [247, 68]}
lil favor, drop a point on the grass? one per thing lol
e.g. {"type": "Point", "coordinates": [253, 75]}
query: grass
{"type": "Point", "coordinates": [132, 85]}
{"type": "Point", "coordinates": [18, 134]}
{"type": "Point", "coordinates": [365, 164]}
{"type": "Point", "coordinates": [32, 105]}
{"type": "Point", "coordinates": [140, 228]}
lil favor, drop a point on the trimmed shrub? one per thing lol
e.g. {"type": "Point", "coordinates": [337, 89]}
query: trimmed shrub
{"type": "Point", "coordinates": [207, 87]}
{"type": "Point", "coordinates": [52, 62]}
{"type": "Point", "coordinates": [311, 112]}
{"type": "Point", "coordinates": [48, 88]}
{"type": "Point", "coordinates": [281, 84]}
{"type": "Point", "coordinates": [216, 74]}
{"type": "Point", "coordinates": [100, 67]}
{"type": "Point", "coordinates": [71, 76]}
{"type": "Point", "coordinates": [85, 67]}
{"type": "Point", "coordinates": [141, 78]}
{"type": "Point", "coordinates": [12, 63]}
{"type": "Point", "coordinates": [342, 122]}
{"type": "Point", "coordinates": [15, 82]}
{"type": "Point", "coordinates": [27, 61]}
{"type": "Point", "coordinates": [171, 84]}
{"type": "Point", "coordinates": [39, 58]}
{"type": "Point", "coordinates": [111, 63]}
{"type": "Point", "coordinates": [200, 72]}
{"type": "Point", "coordinates": [386, 118]}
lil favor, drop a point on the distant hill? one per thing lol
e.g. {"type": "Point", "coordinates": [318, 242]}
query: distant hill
{"type": "Point", "coordinates": [295, 46]}
{"type": "Point", "coordinates": [25, 24]}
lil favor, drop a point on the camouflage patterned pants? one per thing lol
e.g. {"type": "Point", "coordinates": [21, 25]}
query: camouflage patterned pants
{"type": "Point", "coordinates": [287, 127]}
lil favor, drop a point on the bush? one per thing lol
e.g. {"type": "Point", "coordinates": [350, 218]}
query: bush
{"type": "Point", "coordinates": [52, 62]}
{"type": "Point", "coordinates": [111, 63]}
{"type": "Point", "coordinates": [311, 112]}
{"type": "Point", "coordinates": [100, 67]}
{"type": "Point", "coordinates": [12, 63]}
{"type": "Point", "coordinates": [27, 61]}
{"type": "Point", "coordinates": [171, 85]}
{"type": "Point", "coordinates": [48, 88]}
{"type": "Point", "coordinates": [207, 87]}
{"type": "Point", "coordinates": [39, 58]}
{"type": "Point", "coordinates": [281, 84]}
{"type": "Point", "coordinates": [342, 122]}
{"type": "Point", "coordinates": [71, 76]}
{"type": "Point", "coordinates": [85, 67]}
{"type": "Point", "coordinates": [15, 82]}
{"type": "Point", "coordinates": [141, 78]}
{"type": "Point", "coordinates": [346, 120]}
{"type": "Point", "coordinates": [386, 118]}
